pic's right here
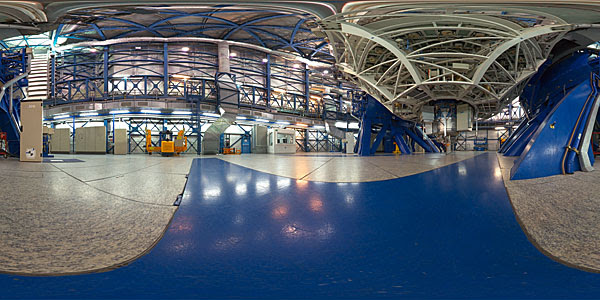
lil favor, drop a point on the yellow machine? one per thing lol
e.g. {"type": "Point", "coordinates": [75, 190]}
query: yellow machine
{"type": "Point", "coordinates": [168, 145]}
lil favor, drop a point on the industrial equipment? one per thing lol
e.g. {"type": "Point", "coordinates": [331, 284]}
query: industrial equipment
{"type": "Point", "coordinates": [46, 141]}
{"type": "Point", "coordinates": [168, 145]}
{"type": "Point", "coordinates": [4, 145]}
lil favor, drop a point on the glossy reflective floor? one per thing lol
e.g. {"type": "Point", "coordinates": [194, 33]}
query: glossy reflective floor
{"type": "Point", "coordinates": [241, 233]}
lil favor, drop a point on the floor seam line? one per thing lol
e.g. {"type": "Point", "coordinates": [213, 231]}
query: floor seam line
{"type": "Point", "coordinates": [395, 176]}
{"type": "Point", "coordinates": [108, 193]}
{"type": "Point", "coordinates": [126, 173]}
{"type": "Point", "coordinates": [316, 169]}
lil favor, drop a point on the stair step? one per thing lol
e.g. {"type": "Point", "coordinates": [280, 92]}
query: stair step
{"type": "Point", "coordinates": [38, 93]}
{"type": "Point", "coordinates": [43, 80]}
{"type": "Point", "coordinates": [37, 88]}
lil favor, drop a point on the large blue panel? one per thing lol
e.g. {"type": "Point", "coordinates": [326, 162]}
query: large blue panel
{"type": "Point", "coordinates": [543, 155]}
{"type": "Point", "coordinates": [240, 233]}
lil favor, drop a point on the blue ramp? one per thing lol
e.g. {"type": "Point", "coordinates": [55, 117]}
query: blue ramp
{"type": "Point", "coordinates": [240, 233]}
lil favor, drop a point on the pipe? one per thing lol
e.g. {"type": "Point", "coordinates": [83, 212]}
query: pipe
{"type": "Point", "coordinates": [15, 26]}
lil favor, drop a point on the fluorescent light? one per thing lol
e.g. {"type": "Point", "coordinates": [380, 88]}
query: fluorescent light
{"type": "Point", "coordinates": [61, 117]}
{"type": "Point", "coordinates": [184, 77]}
{"type": "Point", "coordinates": [296, 66]}
{"type": "Point", "coordinates": [265, 60]}
{"type": "Point", "coordinates": [500, 128]}
{"type": "Point", "coordinates": [93, 50]}
{"type": "Point", "coordinates": [326, 72]}
{"type": "Point", "coordinates": [116, 112]}
{"type": "Point", "coordinates": [138, 48]}
{"type": "Point", "coordinates": [233, 54]}
{"type": "Point", "coordinates": [180, 112]}
{"type": "Point", "coordinates": [283, 122]}
{"type": "Point", "coordinates": [88, 114]}
{"type": "Point", "coordinates": [212, 115]}
{"type": "Point", "coordinates": [353, 125]}
{"type": "Point", "coordinates": [340, 124]}
{"type": "Point", "coordinates": [262, 120]}
{"type": "Point", "coordinates": [301, 125]}
{"type": "Point", "coordinates": [241, 118]}
{"type": "Point", "coordinates": [147, 111]}
{"type": "Point", "coordinates": [319, 127]}
{"type": "Point", "coordinates": [185, 49]}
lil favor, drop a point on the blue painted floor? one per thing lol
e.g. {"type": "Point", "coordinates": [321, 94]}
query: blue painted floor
{"type": "Point", "coordinates": [240, 233]}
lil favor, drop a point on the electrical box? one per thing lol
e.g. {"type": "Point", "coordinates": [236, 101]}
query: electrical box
{"type": "Point", "coordinates": [246, 145]}
{"type": "Point", "coordinates": [464, 117]}
{"type": "Point", "coordinates": [350, 142]}
{"type": "Point", "coordinates": [259, 139]}
{"type": "Point", "coordinates": [120, 144]}
{"type": "Point", "coordinates": [90, 139]}
{"type": "Point", "coordinates": [61, 141]}
{"type": "Point", "coordinates": [32, 128]}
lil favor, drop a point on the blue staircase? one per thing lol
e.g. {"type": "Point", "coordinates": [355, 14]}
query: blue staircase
{"type": "Point", "coordinates": [561, 101]}
{"type": "Point", "coordinates": [13, 64]}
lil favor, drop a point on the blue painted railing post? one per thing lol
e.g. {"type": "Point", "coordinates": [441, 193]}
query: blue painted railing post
{"type": "Point", "coordinates": [105, 75]}
{"type": "Point", "coordinates": [166, 68]}
{"type": "Point", "coordinates": [268, 80]}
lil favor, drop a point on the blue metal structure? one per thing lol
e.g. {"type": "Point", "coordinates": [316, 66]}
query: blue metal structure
{"type": "Point", "coordinates": [376, 117]}
{"type": "Point", "coordinates": [272, 29]}
{"type": "Point", "coordinates": [13, 63]}
{"type": "Point", "coordinates": [136, 71]}
{"type": "Point", "coordinates": [558, 107]}
{"type": "Point", "coordinates": [315, 240]}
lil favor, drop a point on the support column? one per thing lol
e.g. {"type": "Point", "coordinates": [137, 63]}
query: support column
{"type": "Point", "coordinates": [223, 55]}
{"type": "Point", "coordinates": [166, 68]}
{"type": "Point", "coordinates": [105, 63]}
{"type": "Point", "coordinates": [268, 80]}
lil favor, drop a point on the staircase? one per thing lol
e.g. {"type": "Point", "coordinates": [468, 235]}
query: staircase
{"type": "Point", "coordinates": [38, 78]}
{"type": "Point", "coordinates": [212, 136]}
{"type": "Point", "coordinates": [334, 131]}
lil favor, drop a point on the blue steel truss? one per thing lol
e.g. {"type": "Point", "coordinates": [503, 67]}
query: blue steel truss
{"type": "Point", "coordinates": [267, 28]}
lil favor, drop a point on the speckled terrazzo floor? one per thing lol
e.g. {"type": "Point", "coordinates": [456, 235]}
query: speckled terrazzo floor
{"type": "Point", "coordinates": [346, 168]}
{"type": "Point", "coordinates": [71, 218]}
{"type": "Point", "coordinates": [560, 214]}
